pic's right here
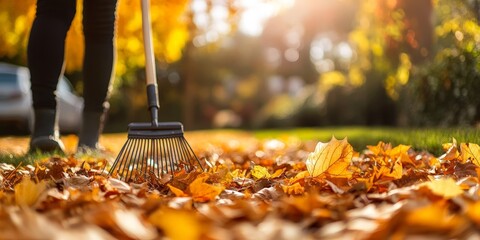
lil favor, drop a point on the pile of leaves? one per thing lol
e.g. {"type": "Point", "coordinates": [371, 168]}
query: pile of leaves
{"type": "Point", "coordinates": [272, 189]}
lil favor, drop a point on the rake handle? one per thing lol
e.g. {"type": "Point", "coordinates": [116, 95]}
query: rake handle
{"type": "Point", "coordinates": [152, 89]}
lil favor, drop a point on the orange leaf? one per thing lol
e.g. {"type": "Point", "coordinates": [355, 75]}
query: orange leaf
{"type": "Point", "coordinates": [176, 191]}
{"type": "Point", "coordinates": [400, 152]}
{"type": "Point", "coordinates": [294, 189]}
{"type": "Point", "coordinates": [177, 224]}
{"type": "Point", "coordinates": [380, 148]}
{"type": "Point", "coordinates": [470, 151]}
{"type": "Point", "coordinates": [434, 217]}
{"type": "Point", "coordinates": [332, 157]}
{"type": "Point", "coordinates": [473, 212]}
{"type": "Point", "coordinates": [452, 151]}
{"type": "Point", "coordinates": [203, 192]}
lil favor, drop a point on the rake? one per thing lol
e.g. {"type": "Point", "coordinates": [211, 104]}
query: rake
{"type": "Point", "coordinates": [158, 147]}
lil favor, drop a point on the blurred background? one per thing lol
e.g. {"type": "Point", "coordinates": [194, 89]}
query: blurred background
{"type": "Point", "coordinates": [254, 64]}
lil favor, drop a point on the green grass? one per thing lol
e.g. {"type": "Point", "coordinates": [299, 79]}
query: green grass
{"type": "Point", "coordinates": [26, 159]}
{"type": "Point", "coordinates": [429, 139]}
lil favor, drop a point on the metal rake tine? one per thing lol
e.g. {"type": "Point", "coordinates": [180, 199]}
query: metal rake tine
{"type": "Point", "coordinates": [115, 163]}
{"type": "Point", "coordinates": [144, 157]}
{"type": "Point", "coordinates": [172, 156]}
{"type": "Point", "coordinates": [183, 153]}
{"type": "Point", "coordinates": [125, 159]}
{"type": "Point", "coordinates": [133, 160]}
{"type": "Point", "coordinates": [155, 170]}
{"type": "Point", "coordinates": [193, 153]}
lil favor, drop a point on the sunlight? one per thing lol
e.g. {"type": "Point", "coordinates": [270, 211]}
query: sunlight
{"type": "Point", "coordinates": [256, 13]}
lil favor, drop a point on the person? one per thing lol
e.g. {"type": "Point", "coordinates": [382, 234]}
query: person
{"type": "Point", "coordinates": [45, 54]}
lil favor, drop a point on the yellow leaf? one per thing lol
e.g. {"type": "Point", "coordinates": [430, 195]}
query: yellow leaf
{"type": "Point", "coordinates": [27, 192]}
{"type": "Point", "coordinates": [176, 191]}
{"type": "Point", "coordinates": [470, 151]}
{"type": "Point", "coordinates": [259, 172]}
{"type": "Point", "coordinates": [444, 187]}
{"type": "Point", "coordinates": [332, 157]}
{"type": "Point", "coordinates": [203, 192]}
{"type": "Point", "coordinates": [177, 224]}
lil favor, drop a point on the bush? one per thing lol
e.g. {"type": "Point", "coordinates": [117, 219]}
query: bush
{"type": "Point", "coordinates": [445, 92]}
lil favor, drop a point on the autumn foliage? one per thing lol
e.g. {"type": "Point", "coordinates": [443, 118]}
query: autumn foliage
{"type": "Point", "coordinates": [276, 189]}
{"type": "Point", "coordinates": [170, 32]}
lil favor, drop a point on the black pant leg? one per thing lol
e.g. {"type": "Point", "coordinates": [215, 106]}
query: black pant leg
{"type": "Point", "coordinates": [99, 29]}
{"type": "Point", "coordinates": [46, 47]}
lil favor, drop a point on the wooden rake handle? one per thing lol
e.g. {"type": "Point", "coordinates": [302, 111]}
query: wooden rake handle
{"type": "Point", "coordinates": [152, 91]}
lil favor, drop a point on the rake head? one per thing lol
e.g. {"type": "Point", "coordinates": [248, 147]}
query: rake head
{"type": "Point", "coordinates": [156, 150]}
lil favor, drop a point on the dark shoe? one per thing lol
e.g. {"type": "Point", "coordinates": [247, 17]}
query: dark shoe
{"type": "Point", "coordinates": [45, 136]}
{"type": "Point", "coordinates": [92, 127]}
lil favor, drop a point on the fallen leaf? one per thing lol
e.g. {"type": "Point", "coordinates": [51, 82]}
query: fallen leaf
{"type": "Point", "coordinates": [433, 218]}
{"type": "Point", "coordinates": [332, 157]}
{"type": "Point", "coordinates": [119, 185]}
{"type": "Point", "coordinates": [131, 224]}
{"type": "Point", "coordinates": [277, 173]}
{"type": "Point", "coordinates": [176, 191]}
{"type": "Point", "coordinates": [473, 212]}
{"type": "Point", "coordinates": [177, 224]}
{"type": "Point", "coordinates": [27, 192]}
{"type": "Point", "coordinates": [259, 172]}
{"type": "Point", "coordinates": [444, 187]}
{"type": "Point", "coordinates": [451, 151]}
{"type": "Point", "coordinates": [295, 189]}
{"type": "Point", "coordinates": [470, 151]}
{"type": "Point", "coordinates": [203, 192]}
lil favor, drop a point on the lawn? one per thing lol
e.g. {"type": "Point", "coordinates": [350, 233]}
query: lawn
{"type": "Point", "coordinates": [13, 149]}
{"type": "Point", "coordinates": [429, 139]}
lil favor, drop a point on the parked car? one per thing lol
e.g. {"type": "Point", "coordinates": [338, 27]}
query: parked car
{"type": "Point", "coordinates": [16, 100]}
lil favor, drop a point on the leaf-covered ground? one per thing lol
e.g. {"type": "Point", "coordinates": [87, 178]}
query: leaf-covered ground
{"type": "Point", "coordinates": [255, 189]}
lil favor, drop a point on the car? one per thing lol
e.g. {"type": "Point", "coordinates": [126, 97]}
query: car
{"type": "Point", "coordinates": [16, 100]}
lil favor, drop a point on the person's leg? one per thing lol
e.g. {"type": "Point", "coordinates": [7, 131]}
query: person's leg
{"type": "Point", "coordinates": [45, 52]}
{"type": "Point", "coordinates": [99, 28]}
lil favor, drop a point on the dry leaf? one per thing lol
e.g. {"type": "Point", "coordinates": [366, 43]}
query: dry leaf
{"type": "Point", "coordinates": [444, 187]}
{"type": "Point", "coordinates": [295, 189]}
{"type": "Point", "coordinates": [259, 172]}
{"type": "Point", "coordinates": [131, 224]}
{"type": "Point", "coordinates": [473, 212]}
{"type": "Point", "coordinates": [176, 191]}
{"type": "Point", "coordinates": [400, 152]}
{"type": "Point", "coordinates": [332, 157]}
{"type": "Point", "coordinates": [452, 151]}
{"type": "Point", "coordinates": [433, 218]}
{"type": "Point", "coordinates": [27, 192]}
{"type": "Point", "coordinates": [470, 151]}
{"type": "Point", "coordinates": [203, 192]}
{"type": "Point", "coordinates": [177, 224]}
